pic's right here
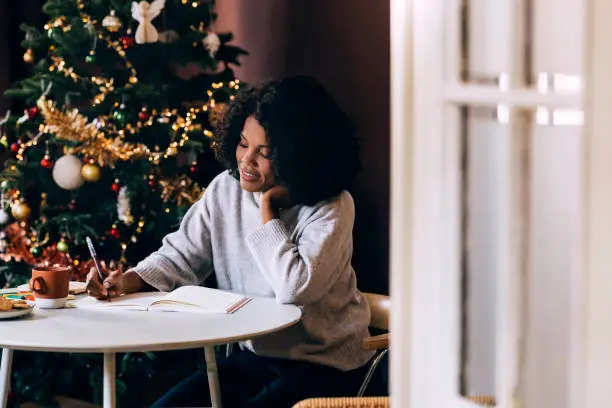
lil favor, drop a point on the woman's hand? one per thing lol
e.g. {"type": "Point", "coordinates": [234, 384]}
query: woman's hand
{"type": "Point", "coordinates": [112, 286]}
{"type": "Point", "coordinates": [272, 201]}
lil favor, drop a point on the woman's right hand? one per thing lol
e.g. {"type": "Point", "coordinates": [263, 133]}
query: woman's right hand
{"type": "Point", "coordinates": [112, 286]}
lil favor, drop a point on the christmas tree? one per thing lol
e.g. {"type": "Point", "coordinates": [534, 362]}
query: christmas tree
{"type": "Point", "coordinates": [116, 142]}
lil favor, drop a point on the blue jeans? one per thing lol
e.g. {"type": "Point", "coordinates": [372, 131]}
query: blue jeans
{"type": "Point", "coordinates": [251, 381]}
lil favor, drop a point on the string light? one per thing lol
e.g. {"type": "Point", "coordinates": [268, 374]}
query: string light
{"type": "Point", "coordinates": [95, 143]}
{"type": "Point", "coordinates": [85, 18]}
{"type": "Point", "coordinates": [133, 239]}
{"type": "Point", "coordinates": [28, 144]}
{"type": "Point", "coordinates": [107, 85]}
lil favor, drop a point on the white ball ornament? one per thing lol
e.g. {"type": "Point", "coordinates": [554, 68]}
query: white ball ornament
{"type": "Point", "coordinates": [67, 172]}
{"type": "Point", "coordinates": [4, 217]}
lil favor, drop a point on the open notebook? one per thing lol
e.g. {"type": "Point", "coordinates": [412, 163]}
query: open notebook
{"type": "Point", "coordinates": [197, 299]}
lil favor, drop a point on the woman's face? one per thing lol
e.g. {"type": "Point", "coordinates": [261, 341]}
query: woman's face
{"type": "Point", "coordinates": [253, 158]}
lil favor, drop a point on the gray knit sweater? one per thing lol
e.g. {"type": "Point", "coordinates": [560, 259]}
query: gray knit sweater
{"type": "Point", "coordinates": [303, 258]}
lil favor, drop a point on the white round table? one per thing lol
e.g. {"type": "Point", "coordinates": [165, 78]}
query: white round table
{"type": "Point", "coordinates": [109, 332]}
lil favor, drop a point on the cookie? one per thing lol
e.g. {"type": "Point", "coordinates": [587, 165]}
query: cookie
{"type": "Point", "coordinates": [5, 304]}
{"type": "Point", "coordinates": [21, 306]}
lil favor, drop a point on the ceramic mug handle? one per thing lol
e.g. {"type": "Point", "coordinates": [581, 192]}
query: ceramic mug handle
{"type": "Point", "coordinates": [38, 286]}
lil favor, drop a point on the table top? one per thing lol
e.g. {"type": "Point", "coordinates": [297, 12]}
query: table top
{"type": "Point", "coordinates": [99, 331]}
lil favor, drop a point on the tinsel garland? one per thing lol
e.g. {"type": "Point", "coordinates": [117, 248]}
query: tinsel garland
{"type": "Point", "coordinates": [71, 125]}
{"type": "Point", "coordinates": [181, 190]}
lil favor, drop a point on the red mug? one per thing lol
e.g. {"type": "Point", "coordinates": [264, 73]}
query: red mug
{"type": "Point", "coordinates": [49, 285]}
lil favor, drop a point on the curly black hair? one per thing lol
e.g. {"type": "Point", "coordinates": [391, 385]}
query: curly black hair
{"type": "Point", "coordinates": [315, 152]}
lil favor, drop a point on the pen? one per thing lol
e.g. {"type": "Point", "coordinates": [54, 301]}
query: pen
{"type": "Point", "coordinates": [92, 251]}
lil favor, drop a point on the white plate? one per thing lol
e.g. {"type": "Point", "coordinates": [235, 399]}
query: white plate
{"type": "Point", "coordinates": [74, 287]}
{"type": "Point", "coordinates": [11, 314]}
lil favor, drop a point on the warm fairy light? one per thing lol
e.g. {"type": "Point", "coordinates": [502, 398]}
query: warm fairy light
{"type": "Point", "coordinates": [107, 143]}
{"type": "Point", "coordinates": [87, 20]}
{"type": "Point", "coordinates": [133, 238]}
{"type": "Point", "coordinates": [23, 147]}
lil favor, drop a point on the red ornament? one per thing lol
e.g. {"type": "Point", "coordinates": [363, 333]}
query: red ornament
{"type": "Point", "coordinates": [114, 232]}
{"type": "Point", "coordinates": [193, 168]}
{"type": "Point", "coordinates": [14, 147]}
{"type": "Point", "coordinates": [152, 183]}
{"type": "Point", "coordinates": [116, 187]}
{"type": "Point", "coordinates": [72, 205]}
{"type": "Point", "coordinates": [126, 41]}
{"type": "Point", "coordinates": [46, 163]}
{"type": "Point", "coordinates": [31, 112]}
{"type": "Point", "coordinates": [144, 115]}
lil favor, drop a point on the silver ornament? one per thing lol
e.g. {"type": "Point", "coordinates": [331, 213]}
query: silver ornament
{"type": "Point", "coordinates": [4, 217]}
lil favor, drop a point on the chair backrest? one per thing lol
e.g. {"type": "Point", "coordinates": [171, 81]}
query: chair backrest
{"type": "Point", "coordinates": [380, 307]}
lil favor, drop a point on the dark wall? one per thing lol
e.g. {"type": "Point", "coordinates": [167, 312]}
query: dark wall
{"type": "Point", "coordinates": [346, 45]}
{"type": "Point", "coordinates": [12, 67]}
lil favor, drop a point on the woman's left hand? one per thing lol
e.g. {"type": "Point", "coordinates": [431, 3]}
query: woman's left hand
{"type": "Point", "coordinates": [272, 201]}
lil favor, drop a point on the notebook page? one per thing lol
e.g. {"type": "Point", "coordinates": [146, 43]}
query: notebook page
{"type": "Point", "coordinates": [213, 300]}
{"type": "Point", "coordinates": [133, 301]}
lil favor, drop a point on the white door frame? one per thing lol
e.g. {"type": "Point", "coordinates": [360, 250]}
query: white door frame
{"type": "Point", "coordinates": [424, 284]}
{"type": "Point", "coordinates": [401, 200]}
{"type": "Point", "coordinates": [594, 284]}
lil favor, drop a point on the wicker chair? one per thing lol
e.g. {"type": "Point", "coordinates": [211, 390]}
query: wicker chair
{"type": "Point", "coordinates": [371, 402]}
{"type": "Point", "coordinates": [354, 402]}
{"type": "Point", "coordinates": [380, 306]}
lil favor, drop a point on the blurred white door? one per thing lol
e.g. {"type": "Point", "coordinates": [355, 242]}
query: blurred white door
{"type": "Point", "coordinates": [501, 218]}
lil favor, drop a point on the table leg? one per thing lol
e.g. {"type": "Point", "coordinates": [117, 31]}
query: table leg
{"type": "Point", "coordinates": [109, 394]}
{"type": "Point", "coordinates": [5, 375]}
{"type": "Point", "coordinates": [213, 376]}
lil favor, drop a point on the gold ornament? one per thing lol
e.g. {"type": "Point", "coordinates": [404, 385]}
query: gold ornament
{"type": "Point", "coordinates": [91, 172]}
{"type": "Point", "coordinates": [112, 22]}
{"type": "Point", "coordinates": [28, 57]}
{"type": "Point", "coordinates": [180, 189]}
{"type": "Point", "coordinates": [21, 211]}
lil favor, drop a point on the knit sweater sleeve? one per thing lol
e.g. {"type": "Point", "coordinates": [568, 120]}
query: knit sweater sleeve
{"type": "Point", "coordinates": [302, 271]}
{"type": "Point", "coordinates": [185, 256]}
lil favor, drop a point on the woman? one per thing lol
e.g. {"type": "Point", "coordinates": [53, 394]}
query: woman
{"type": "Point", "coordinates": [277, 223]}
